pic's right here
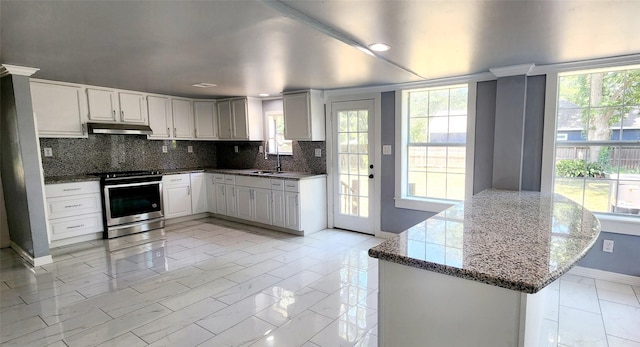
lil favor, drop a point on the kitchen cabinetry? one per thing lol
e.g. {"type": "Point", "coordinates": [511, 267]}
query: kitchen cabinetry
{"type": "Point", "coordinates": [211, 192]}
{"type": "Point", "coordinates": [160, 121]}
{"type": "Point", "coordinates": [59, 109]}
{"type": "Point", "coordinates": [182, 118]}
{"type": "Point", "coordinates": [304, 116]}
{"type": "Point", "coordinates": [74, 210]}
{"type": "Point", "coordinates": [277, 203]}
{"type": "Point", "coordinates": [176, 195]}
{"type": "Point", "coordinates": [109, 105]}
{"type": "Point", "coordinates": [206, 120]}
{"type": "Point", "coordinates": [230, 194]}
{"type": "Point", "coordinates": [254, 199]}
{"type": "Point", "coordinates": [240, 119]}
{"type": "Point", "coordinates": [198, 193]}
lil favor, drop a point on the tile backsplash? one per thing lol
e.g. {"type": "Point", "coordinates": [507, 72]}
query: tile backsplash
{"type": "Point", "coordinates": [248, 157]}
{"type": "Point", "coordinates": [105, 153]}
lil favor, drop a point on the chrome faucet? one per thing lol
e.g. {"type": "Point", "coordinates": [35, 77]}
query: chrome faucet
{"type": "Point", "coordinates": [279, 166]}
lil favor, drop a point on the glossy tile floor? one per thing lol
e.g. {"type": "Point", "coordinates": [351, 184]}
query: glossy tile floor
{"type": "Point", "coordinates": [215, 283]}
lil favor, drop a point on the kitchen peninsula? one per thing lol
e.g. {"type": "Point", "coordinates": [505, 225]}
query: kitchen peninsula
{"type": "Point", "coordinates": [475, 274]}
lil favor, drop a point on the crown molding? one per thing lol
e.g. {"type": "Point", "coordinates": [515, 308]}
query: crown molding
{"type": "Point", "coordinates": [6, 69]}
{"type": "Point", "coordinates": [513, 70]}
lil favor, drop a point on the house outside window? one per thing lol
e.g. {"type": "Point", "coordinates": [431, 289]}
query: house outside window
{"type": "Point", "coordinates": [275, 134]}
{"type": "Point", "coordinates": [434, 144]}
{"type": "Point", "coordinates": [597, 147]}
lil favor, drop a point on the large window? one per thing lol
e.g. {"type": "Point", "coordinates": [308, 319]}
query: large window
{"type": "Point", "coordinates": [434, 122]}
{"type": "Point", "coordinates": [275, 134]}
{"type": "Point", "coordinates": [597, 148]}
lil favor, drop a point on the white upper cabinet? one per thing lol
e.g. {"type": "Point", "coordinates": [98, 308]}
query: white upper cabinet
{"type": "Point", "coordinates": [182, 118]}
{"type": "Point", "coordinates": [132, 108]}
{"type": "Point", "coordinates": [160, 121]}
{"type": "Point", "coordinates": [206, 120]}
{"type": "Point", "coordinates": [102, 104]}
{"type": "Point", "coordinates": [59, 109]}
{"type": "Point", "coordinates": [109, 105]}
{"type": "Point", "coordinates": [304, 116]}
{"type": "Point", "coordinates": [240, 119]}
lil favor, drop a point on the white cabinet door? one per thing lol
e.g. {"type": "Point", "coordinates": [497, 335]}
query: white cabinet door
{"type": "Point", "coordinates": [198, 193]}
{"type": "Point", "coordinates": [245, 203]}
{"type": "Point", "coordinates": [231, 200]}
{"type": "Point", "coordinates": [239, 108]}
{"type": "Point", "coordinates": [182, 118]}
{"type": "Point", "coordinates": [278, 208]}
{"type": "Point", "coordinates": [177, 201]}
{"type": "Point", "coordinates": [224, 119]}
{"type": "Point", "coordinates": [262, 205]}
{"type": "Point", "coordinates": [211, 193]}
{"type": "Point", "coordinates": [292, 211]}
{"type": "Point", "coordinates": [304, 116]}
{"type": "Point", "coordinates": [206, 120]}
{"type": "Point", "coordinates": [132, 108]}
{"type": "Point", "coordinates": [59, 109]}
{"type": "Point", "coordinates": [221, 199]}
{"type": "Point", "coordinates": [102, 105]}
{"type": "Point", "coordinates": [159, 117]}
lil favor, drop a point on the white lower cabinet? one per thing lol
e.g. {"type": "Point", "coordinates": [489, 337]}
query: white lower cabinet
{"type": "Point", "coordinates": [176, 195]}
{"type": "Point", "coordinates": [74, 209]}
{"type": "Point", "coordinates": [277, 202]}
{"type": "Point", "coordinates": [211, 193]}
{"type": "Point", "coordinates": [199, 197]}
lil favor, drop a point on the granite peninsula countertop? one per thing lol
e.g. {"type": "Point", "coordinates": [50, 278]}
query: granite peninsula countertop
{"type": "Point", "coordinates": [289, 175]}
{"type": "Point", "coordinates": [518, 240]}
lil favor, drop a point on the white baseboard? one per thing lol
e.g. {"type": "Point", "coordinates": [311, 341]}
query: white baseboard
{"type": "Point", "coordinates": [605, 275]}
{"type": "Point", "coordinates": [385, 234]}
{"type": "Point", "coordinates": [39, 261]}
{"type": "Point", "coordinates": [75, 239]}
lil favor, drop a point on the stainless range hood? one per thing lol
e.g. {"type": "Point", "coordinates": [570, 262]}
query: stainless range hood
{"type": "Point", "coordinates": [118, 128]}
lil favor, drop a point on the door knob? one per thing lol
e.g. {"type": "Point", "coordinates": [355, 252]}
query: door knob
{"type": "Point", "coordinates": [371, 166]}
{"type": "Point", "coordinates": [371, 176]}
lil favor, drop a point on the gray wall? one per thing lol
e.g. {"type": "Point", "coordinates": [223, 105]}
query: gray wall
{"type": "Point", "coordinates": [533, 133]}
{"type": "Point", "coordinates": [21, 176]}
{"type": "Point", "coordinates": [485, 131]}
{"type": "Point", "coordinates": [392, 219]}
{"type": "Point", "coordinates": [625, 258]}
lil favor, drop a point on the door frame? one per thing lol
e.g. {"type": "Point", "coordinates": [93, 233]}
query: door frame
{"type": "Point", "coordinates": [375, 157]}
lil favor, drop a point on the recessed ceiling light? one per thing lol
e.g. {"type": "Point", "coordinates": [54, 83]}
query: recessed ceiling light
{"type": "Point", "coordinates": [204, 85]}
{"type": "Point", "coordinates": [263, 94]}
{"type": "Point", "coordinates": [379, 47]}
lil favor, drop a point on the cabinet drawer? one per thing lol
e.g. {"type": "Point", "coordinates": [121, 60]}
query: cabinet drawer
{"type": "Point", "coordinates": [253, 182]}
{"type": "Point", "coordinates": [76, 226]}
{"type": "Point", "coordinates": [68, 206]}
{"type": "Point", "coordinates": [291, 186]}
{"type": "Point", "coordinates": [229, 179]}
{"type": "Point", "coordinates": [69, 189]}
{"type": "Point", "coordinates": [176, 179]}
{"type": "Point", "coordinates": [277, 184]}
{"type": "Point", "coordinates": [218, 178]}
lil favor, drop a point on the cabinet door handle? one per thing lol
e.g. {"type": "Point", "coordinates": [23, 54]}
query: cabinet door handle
{"type": "Point", "coordinates": [188, 190]}
{"type": "Point", "coordinates": [83, 130]}
{"type": "Point", "coordinates": [195, 132]}
{"type": "Point", "coordinates": [168, 132]}
{"type": "Point", "coordinates": [114, 114]}
{"type": "Point", "coordinates": [174, 131]}
{"type": "Point", "coordinates": [223, 191]}
{"type": "Point", "coordinates": [122, 116]}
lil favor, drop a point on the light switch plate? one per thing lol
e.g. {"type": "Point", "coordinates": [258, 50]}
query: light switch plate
{"type": "Point", "coordinates": [318, 152]}
{"type": "Point", "coordinates": [190, 149]}
{"type": "Point", "coordinates": [260, 149]}
{"type": "Point", "coordinates": [164, 149]}
{"type": "Point", "coordinates": [607, 246]}
{"type": "Point", "coordinates": [386, 150]}
{"type": "Point", "coordinates": [48, 152]}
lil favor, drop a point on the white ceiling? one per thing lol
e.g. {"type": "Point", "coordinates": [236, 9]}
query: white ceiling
{"type": "Point", "coordinates": [251, 47]}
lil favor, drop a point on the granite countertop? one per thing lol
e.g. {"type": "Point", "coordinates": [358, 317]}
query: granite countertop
{"type": "Point", "coordinates": [518, 240]}
{"type": "Point", "coordinates": [290, 175]}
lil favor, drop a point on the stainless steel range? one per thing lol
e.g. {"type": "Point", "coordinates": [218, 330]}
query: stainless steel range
{"type": "Point", "coordinates": [132, 202]}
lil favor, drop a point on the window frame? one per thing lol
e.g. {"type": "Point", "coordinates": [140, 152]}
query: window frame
{"type": "Point", "coordinates": [435, 205]}
{"type": "Point", "coordinates": [618, 224]}
{"type": "Point", "coordinates": [267, 137]}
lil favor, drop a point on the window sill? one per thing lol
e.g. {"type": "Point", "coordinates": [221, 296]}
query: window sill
{"type": "Point", "coordinates": [619, 224]}
{"type": "Point", "coordinates": [427, 205]}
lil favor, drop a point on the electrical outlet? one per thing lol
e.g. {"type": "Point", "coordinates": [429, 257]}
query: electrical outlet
{"type": "Point", "coordinates": [607, 246]}
{"type": "Point", "coordinates": [260, 149]}
{"type": "Point", "coordinates": [190, 149]}
{"type": "Point", "coordinates": [318, 152]}
{"type": "Point", "coordinates": [165, 149]}
{"type": "Point", "coordinates": [48, 152]}
{"type": "Point", "coordinates": [386, 150]}
{"type": "Point", "coordinates": [235, 149]}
